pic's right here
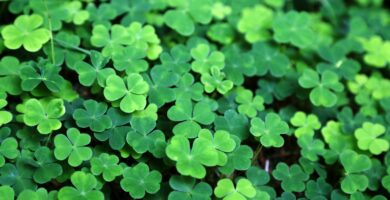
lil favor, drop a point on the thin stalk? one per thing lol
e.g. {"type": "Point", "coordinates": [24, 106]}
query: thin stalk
{"type": "Point", "coordinates": [70, 46]}
{"type": "Point", "coordinates": [53, 56]}
{"type": "Point", "coordinates": [256, 154]}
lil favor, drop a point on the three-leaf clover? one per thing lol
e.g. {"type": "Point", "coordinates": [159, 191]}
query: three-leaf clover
{"type": "Point", "coordinates": [26, 31]}
{"type": "Point", "coordinates": [85, 185]}
{"type": "Point", "coordinates": [378, 51]}
{"type": "Point", "coordinates": [45, 166]}
{"type": "Point", "coordinates": [107, 165]}
{"type": "Point", "coordinates": [186, 188]}
{"type": "Point", "coordinates": [73, 146]}
{"type": "Point", "coordinates": [215, 80]}
{"type": "Point", "coordinates": [8, 149]}
{"type": "Point", "coordinates": [249, 105]}
{"type": "Point", "coordinates": [190, 161]}
{"type": "Point", "coordinates": [310, 147]}
{"type": "Point", "coordinates": [190, 116]}
{"type": "Point", "coordinates": [306, 124]}
{"type": "Point", "coordinates": [7, 192]}
{"type": "Point", "coordinates": [225, 189]}
{"type": "Point", "coordinates": [138, 180]}
{"type": "Point", "coordinates": [354, 164]}
{"type": "Point", "coordinates": [93, 116]}
{"type": "Point", "coordinates": [270, 130]}
{"type": "Point", "coordinates": [323, 90]}
{"type": "Point", "coordinates": [205, 58]}
{"type": "Point", "coordinates": [132, 91]}
{"type": "Point", "coordinates": [269, 59]}
{"type": "Point", "coordinates": [111, 40]}
{"type": "Point", "coordinates": [293, 178]}
{"type": "Point", "coordinates": [239, 159]}
{"type": "Point", "coordinates": [255, 22]}
{"type": "Point", "coordinates": [44, 112]}
{"type": "Point", "coordinates": [367, 137]}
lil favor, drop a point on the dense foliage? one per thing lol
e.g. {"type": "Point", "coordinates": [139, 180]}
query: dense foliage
{"type": "Point", "coordinates": [194, 99]}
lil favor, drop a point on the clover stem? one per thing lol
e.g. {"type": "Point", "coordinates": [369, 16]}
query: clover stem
{"type": "Point", "coordinates": [256, 153]}
{"type": "Point", "coordinates": [53, 56]}
{"type": "Point", "coordinates": [69, 46]}
{"type": "Point", "coordinates": [48, 139]}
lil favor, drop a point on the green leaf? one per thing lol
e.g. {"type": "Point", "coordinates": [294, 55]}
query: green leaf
{"type": "Point", "coordinates": [187, 188]}
{"type": "Point", "coordinates": [270, 130]}
{"type": "Point", "coordinates": [306, 124]}
{"type": "Point", "coordinates": [93, 116]}
{"type": "Point", "coordinates": [255, 23]}
{"type": "Point", "coordinates": [107, 165]}
{"type": "Point", "coordinates": [269, 59]}
{"type": "Point", "coordinates": [293, 178]}
{"type": "Point", "coordinates": [377, 51]}
{"type": "Point", "coordinates": [85, 187]}
{"type": "Point", "coordinates": [6, 192]}
{"type": "Point", "coordinates": [8, 149]}
{"type": "Point", "coordinates": [225, 189]}
{"type": "Point", "coordinates": [367, 137]}
{"type": "Point", "coordinates": [204, 59]}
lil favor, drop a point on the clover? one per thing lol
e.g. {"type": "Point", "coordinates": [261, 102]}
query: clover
{"type": "Point", "coordinates": [367, 137]}
{"type": "Point", "coordinates": [138, 180]}
{"type": "Point", "coordinates": [306, 124]}
{"type": "Point", "coordinates": [190, 161]}
{"type": "Point", "coordinates": [190, 116]}
{"type": "Point", "coordinates": [27, 32]}
{"type": "Point", "coordinates": [377, 51]}
{"type": "Point", "coordinates": [225, 189]}
{"type": "Point", "coordinates": [239, 159]}
{"type": "Point", "coordinates": [146, 39]}
{"type": "Point", "coordinates": [10, 75]}
{"type": "Point", "coordinates": [107, 165]}
{"type": "Point", "coordinates": [292, 178]}
{"type": "Point", "coordinates": [186, 13]}
{"type": "Point", "coordinates": [17, 177]}
{"type": "Point", "coordinates": [131, 60]}
{"type": "Point", "coordinates": [310, 147]}
{"type": "Point", "coordinates": [111, 40]}
{"type": "Point", "coordinates": [354, 164]}
{"type": "Point", "coordinates": [318, 189]}
{"type": "Point", "coordinates": [187, 188]}
{"type": "Point", "coordinates": [85, 187]}
{"type": "Point", "coordinates": [249, 105]}
{"type": "Point", "coordinates": [270, 130]}
{"type": "Point", "coordinates": [5, 116]}
{"type": "Point", "coordinates": [44, 165]}
{"type": "Point", "coordinates": [323, 90]}
{"type": "Point", "coordinates": [205, 58]}
{"type": "Point", "coordinates": [89, 74]}
{"type": "Point", "coordinates": [268, 59]}
{"type": "Point", "coordinates": [336, 138]}
{"type": "Point", "coordinates": [215, 81]}
{"type": "Point", "coordinates": [188, 88]}
{"type": "Point", "coordinates": [7, 192]}
{"type": "Point", "coordinates": [93, 116]}
{"type": "Point", "coordinates": [72, 146]}
{"type": "Point", "coordinates": [255, 23]}
{"type": "Point", "coordinates": [8, 149]}
{"type": "Point", "coordinates": [132, 92]}
{"type": "Point", "coordinates": [44, 112]}
{"type": "Point", "coordinates": [295, 28]}
{"type": "Point", "coordinates": [236, 124]}
{"type": "Point", "coordinates": [161, 81]}
{"type": "Point", "coordinates": [238, 64]}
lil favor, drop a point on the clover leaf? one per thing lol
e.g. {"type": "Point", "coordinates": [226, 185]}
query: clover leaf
{"type": "Point", "coordinates": [107, 165]}
{"type": "Point", "coordinates": [367, 137]}
{"type": "Point", "coordinates": [44, 112]}
{"type": "Point", "coordinates": [215, 80]}
{"type": "Point", "coordinates": [323, 90]}
{"type": "Point", "coordinates": [138, 180]}
{"type": "Point", "coordinates": [93, 116]}
{"type": "Point", "coordinates": [111, 40]}
{"type": "Point", "coordinates": [255, 23]}
{"type": "Point", "coordinates": [377, 51]}
{"type": "Point", "coordinates": [190, 117]}
{"type": "Point", "coordinates": [249, 105]}
{"type": "Point", "coordinates": [236, 124]}
{"type": "Point", "coordinates": [306, 124]}
{"type": "Point", "coordinates": [7, 192]}
{"type": "Point", "coordinates": [130, 59]}
{"type": "Point", "coordinates": [132, 92]}
{"type": "Point", "coordinates": [225, 189]}
{"type": "Point", "coordinates": [239, 159]}
{"type": "Point", "coordinates": [17, 177]}
{"type": "Point", "coordinates": [85, 187]}
{"type": "Point", "coordinates": [8, 149]}
{"type": "Point", "coordinates": [27, 32]}
{"type": "Point", "coordinates": [354, 164]}
{"type": "Point", "coordinates": [45, 166]}
{"type": "Point", "coordinates": [188, 189]}
{"type": "Point", "coordinates": [269, 131]}
{"type": "Point", "coordinates": [295, 28]}
{"type": "Point", "coordinates": [145, 38]}
{"type": "Point", "coordinates": [191, 161]}
{"type": "Point", "coordinates": [72, 146]}
{"type": "Point", "coordinates": [161, 81]}
{"type": "Point", "coordinates": [5, 116]}
{"type": "Point", "coordinates": [205, 58]}
{"type": "Point", "coordinates": [318, 189]}
{"type": "Point", "coordinates": [10, 75]}
{"type": "Point", "coordinates": [310, 147]}
{"type": "Point", "coordinates": [269, 59]}
{"type": "Point", "coordinates": [238, 64]}
{"type": "Point", "coordinates": [293, 178]}
{"type": "Point", "coordinates": [89, 74]}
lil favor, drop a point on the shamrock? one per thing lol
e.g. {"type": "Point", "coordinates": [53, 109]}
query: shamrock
{"type": "Point", "coordinates": [293, 178]}
{"type": "Point", "coordinates": [45, 167]}
{"type": "Point", "coordinates": [145, 38]}
{"type": "Point", "coordinates": [221, 32]}
{"type": "Point", "coordinates": [44, 112]}
{"type": "Point", "coordinates": [318, 189]}
{"type": "Point", "coordinates": [310, 147]}
{"type": "Point", "coordinates": [5, 116]}
{"type": "Point", "coordinates": [130, 59]}
{"type": "Point", "coordinates": [269, 131]}
{"type": "Point", "coordinates": [367, 137]}
{"type": "Point", "coordinates": [7, 192]}
{"type": "Point", "coordinates": [186, 188]}
{"type": "Point", "coordinates": [72, 146]}
{"type": "Point", "coordinates": [234, 123]}
{"type": "Point", "coordinates": [225, 189]}
{"type": "Point", "coordinates": [221, 141]}
{"type": "Point", "coordinates": [215, 80]}
{"type": "Point", "coordinates": [160, 82]}
{"type": "Point", "coordinates": [255, 23]}
{"type": "Point", "coordinates": [187, 88]}
{"type": "Point", "coordinates": [89, 74]}
{"type": "Point", "coordinates": [239, 159]}
{"type": "Point", "coordinates": [259, 177]}
{"type": "Point", "coordinates": [238, 64]}
{"type": "Point", "coordinates": [102, 14]}
{"type": "Point", "coordinates": [177, 59]}
{"type": "Point", "coordinates": [107, 165]}
{"type": "Point", "coordinates": [85, 185]}
{"type": "Point", "coordinates": [307, 124]}
{"type": "Point", "coordinates": [92, 116]}
{"type": "Point", "coordinates": [8, 149]}
{"type": "Point", "coordinates": [10, 75]}
{"type": "Point", "coordinates": [17, 177]}
{"type": "Point", "coordinates": [138, 179]}
{"type": "Point", "coordinates": [187, 13]}
{"type": "Point", "coordinates": [33, 74]}
{"type": "Point", "coordinates": [143, 138]}
{"type": "Point", "coordinates": [295, 28]}
{"type": "Point", "coordinates": [249, 105]}
{"type": "Point", "coordinates": [377, 51]}
{"type": "Point", "coordinates": [26, 31]}
{"type": "Point", "coordinates": [269, 59]}
{"type": "Point", "coordinates": [191, 161]}
{"type": "Point", "coordinates": [133, 95]}
{"type": "Point", "coordinates": [111, 40]}
{"type": "Point", "coordinates": [354, 164]}
{"type": "Point", "coordinates": [324, 88]}
{"type": "Point", "coordinates": [190, 116]}
{"type": "Point", "coordinates": [204, 59]}
{"type": "Point", "coordinates": [336, 138]}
